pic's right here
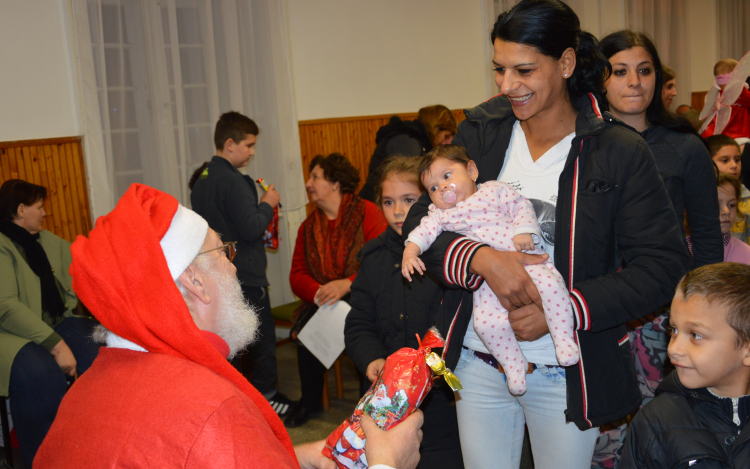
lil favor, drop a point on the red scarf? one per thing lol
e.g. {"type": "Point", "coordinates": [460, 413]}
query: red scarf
{"type": "Point", "coordinates": [120, 273]}
{"type": "Point", "coordinates": [332, 254]}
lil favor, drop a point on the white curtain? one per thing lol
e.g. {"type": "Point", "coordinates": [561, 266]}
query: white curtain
{"type": "Point", "coordinates": [665, 22]}
{"type": "Point", "coordinates": [155, 75]}
{"type": "Point", "coordinates": [733, 28]}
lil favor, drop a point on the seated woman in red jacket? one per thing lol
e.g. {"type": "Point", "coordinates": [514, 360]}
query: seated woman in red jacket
{"type": "Point", "coordinates": [325, 257]}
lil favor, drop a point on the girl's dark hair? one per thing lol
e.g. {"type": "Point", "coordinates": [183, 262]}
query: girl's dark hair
{"type": "Point", "coordinates": [656, 113]}
{"type": "Point", "coordinates": [454, 153]}
{"type": "Point", "coordinates": [407, 167]}
{"type": "Point", "coordinates": [551, 27]}
{"type": "Point", "coordinates": [336, 168]}
{"type": "Point", "coordinates": [15, 192]}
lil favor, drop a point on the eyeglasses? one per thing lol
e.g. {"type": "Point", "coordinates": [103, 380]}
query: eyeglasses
{"type": "Point", "coordinates": [229, 250]}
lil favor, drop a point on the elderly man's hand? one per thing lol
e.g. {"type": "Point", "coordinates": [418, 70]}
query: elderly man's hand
{"type": "Point", "coordinates": [397, 447]}
{"type": "Point", "coordinates": [310, 457]}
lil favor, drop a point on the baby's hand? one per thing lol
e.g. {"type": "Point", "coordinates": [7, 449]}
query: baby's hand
{"type": "Point", "coordinates": [523, 242]}
{"type": "Point", "coordinates": [411, 261]}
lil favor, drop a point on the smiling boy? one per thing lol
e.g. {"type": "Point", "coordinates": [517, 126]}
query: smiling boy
{"type": "Point", "coordinates": [697, 419]}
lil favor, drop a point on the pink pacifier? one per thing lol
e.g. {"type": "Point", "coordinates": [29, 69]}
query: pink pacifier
{"type": "Point", "coordinates": [451, 194]}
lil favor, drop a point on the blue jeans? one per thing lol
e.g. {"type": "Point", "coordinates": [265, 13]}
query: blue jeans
{"type": "Point", "coordinates": [37, 384]}
{"type": "Point", "coordinates": [491, 419]}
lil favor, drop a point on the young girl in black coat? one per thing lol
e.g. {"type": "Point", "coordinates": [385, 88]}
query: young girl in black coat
{"type": "Point", "coordinates": [388, 311]}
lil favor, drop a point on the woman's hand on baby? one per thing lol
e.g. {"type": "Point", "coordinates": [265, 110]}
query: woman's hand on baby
{"type": "Point", "coordinates": [528, 323]}
{"type": "Point", "coordinates": [505, 274]}
{"type": "Point", "coordinates": [333, 291]}
{"type": "Point", "coordinates": [523, 242]}
{"type": "Point", "coordinates": [373, 369]}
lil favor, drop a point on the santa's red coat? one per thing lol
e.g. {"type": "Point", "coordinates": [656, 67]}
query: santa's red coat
{"type": "Point", "coordinates": [144, 409]}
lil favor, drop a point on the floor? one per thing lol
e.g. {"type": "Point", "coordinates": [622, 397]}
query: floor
{"type": "Point", "coordinates": [322, 426]}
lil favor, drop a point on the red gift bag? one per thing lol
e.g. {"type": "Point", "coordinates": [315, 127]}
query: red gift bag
{"type": "Point", "coordinates": [402, 385]}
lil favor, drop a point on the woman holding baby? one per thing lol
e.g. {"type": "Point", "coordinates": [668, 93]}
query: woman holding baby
{"type": "Point", "coordinates": [606, 222]}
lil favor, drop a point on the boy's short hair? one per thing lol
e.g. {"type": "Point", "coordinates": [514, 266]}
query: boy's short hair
{"type": "Point", "coordinates": [448, 152]}
{"type": "Point", "coordinates": [717, 142]}
{"type": "Point", "coordinates": [724, 66]}
{"type": "Point", "coordinates": [727, 284]}
{"type": "Point", "coordinates": [235, 126]}
{"type": "Point", "coordinates": [405, 166]}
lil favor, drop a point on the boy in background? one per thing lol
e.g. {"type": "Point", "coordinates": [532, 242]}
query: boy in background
{"type": "Point", "coordinates": [700, 412]}
{"type": "Point", "coordinates": [228, 201]}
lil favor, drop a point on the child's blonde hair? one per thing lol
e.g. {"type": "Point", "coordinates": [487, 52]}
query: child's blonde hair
{"type": "Point", "coordinates": [724, 66]}
{"type": "Point", "coordinates": [404, 167]}
{"type": "Point", "coordinates": [727, 284]}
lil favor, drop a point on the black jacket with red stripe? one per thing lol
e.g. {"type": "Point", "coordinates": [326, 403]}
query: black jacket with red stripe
{"type": "Point", "coordinates": [618, 245]}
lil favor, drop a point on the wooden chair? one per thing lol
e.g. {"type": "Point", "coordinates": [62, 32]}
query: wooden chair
{"type": "Point", "coordinates": [339, 383]}
{"type": "Point", "coordinates": [6, 432]}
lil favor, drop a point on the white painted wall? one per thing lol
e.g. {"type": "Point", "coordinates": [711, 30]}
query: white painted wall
{"type": "Point", "coordinates": [364, 57]}
{"type": "Point", "coordinates": [38, 91]}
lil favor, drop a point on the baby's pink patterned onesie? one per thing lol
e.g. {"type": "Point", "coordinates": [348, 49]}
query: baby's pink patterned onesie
{"type": "Point", "coordinates": [493, 215]}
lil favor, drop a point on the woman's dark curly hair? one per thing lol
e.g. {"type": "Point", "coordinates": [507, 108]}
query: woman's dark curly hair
{"type": "Point", "coordinates": [15, 192]}
{"type": "Point", "coordinates": [551, 27]}
{"type": "Point", "coordinates": [337, 168]}
{"type": "Point", "coordinates": [656, 113]}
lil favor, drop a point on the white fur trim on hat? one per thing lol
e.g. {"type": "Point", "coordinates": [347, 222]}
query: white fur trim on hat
{"type": "Point", "coordinates": [742, 140]}
{"type": "Point", "coordinates": [183, 240]}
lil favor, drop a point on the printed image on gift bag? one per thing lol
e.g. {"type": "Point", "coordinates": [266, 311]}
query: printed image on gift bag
{"type": "Point", "coordinates": [402, 385]}
{"type": "Point", "coordinates": [271, 235]}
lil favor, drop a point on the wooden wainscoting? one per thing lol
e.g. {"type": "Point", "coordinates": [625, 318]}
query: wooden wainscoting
{"type": "Point", "coordinates": [698, 99]}
{"type": "Point", "coordinates": [57, 164]}
{"type": "Point", "coordinates": [352, 136]}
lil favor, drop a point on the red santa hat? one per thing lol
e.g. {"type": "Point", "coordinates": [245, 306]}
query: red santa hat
{"type": "Point", "coordinates": [125, 272]}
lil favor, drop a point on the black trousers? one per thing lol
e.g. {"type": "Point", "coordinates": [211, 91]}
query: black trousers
{"type": "Point", "coordinates": [311, 379]}
{"type": "Point", "coordinates": [261, 355]}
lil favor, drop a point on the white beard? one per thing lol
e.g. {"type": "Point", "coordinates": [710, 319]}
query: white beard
{"type": "Point", "coordinates": [237, 322]}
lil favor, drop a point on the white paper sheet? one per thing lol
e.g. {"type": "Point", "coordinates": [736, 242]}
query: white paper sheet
{"type": "Point", "coordinates": [323, 335]}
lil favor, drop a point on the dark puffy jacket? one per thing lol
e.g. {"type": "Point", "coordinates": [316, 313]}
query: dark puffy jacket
{"type": "Point", "coordinates": [688, 173]}
{"type": "Point", "coordinates": [684, 428]}
{"type": "Point", "coordinates": [397, 137]}
{"type": "Point", "coordinates": [618, 246]}
{"type": "Point", "coordinates": [387, 310]}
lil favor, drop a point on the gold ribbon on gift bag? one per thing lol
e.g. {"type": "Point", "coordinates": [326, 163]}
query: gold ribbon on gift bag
{"type": "Point", "coordinates": [438, 366]}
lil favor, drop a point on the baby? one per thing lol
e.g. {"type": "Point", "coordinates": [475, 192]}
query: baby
{"type": "Point", "coordinates": [496, 215]}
